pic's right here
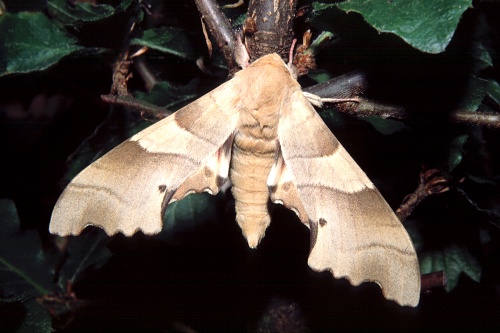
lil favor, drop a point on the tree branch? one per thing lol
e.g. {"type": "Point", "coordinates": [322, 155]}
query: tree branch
{"type": "Point", "coordinates": [268, 27]}
{"type": "Point", "coordinates": [350, 85]}
{"type": "Point", "coordinates": [147, 110]}
{"type": "Point", "coordinates": [432, 181]}
{"type": "Point", "coordinates": [433, 280]}
{"type": "Point", "coordinates": [220, 28]}
{"type": "Point", "coordinates": [343, 86]}
{"type": "Point", "coordinates": [487, 119]}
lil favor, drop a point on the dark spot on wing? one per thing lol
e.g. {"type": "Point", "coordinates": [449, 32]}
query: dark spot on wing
{"type": "Point", "coordinates": [220, 181]}
{"type": "Point", "coordinates": [313, 226]}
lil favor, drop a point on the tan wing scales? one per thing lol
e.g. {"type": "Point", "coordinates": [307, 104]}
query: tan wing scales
{"type": "Point", "coordinates": [129, 188]}
{"type": "Point", "coordinates": [354, 232]}
{"type": "Point", "coordinates": [282, 189]}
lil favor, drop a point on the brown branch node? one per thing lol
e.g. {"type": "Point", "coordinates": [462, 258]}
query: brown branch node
{"type": "Point", "coordinates": [121, 75]}
{"type": "Point", "coordinates": [304, 61]}
{"type": "Point", "coordinates": [220, 28]}
{"type": "Point", "coordinates": [433, 280]}
{"type": "Point", "coordinates": [432, 181]}
{"type": "Point", "coordinates": [146, 110]}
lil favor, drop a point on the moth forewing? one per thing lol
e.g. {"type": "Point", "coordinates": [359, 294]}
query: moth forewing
{"type": "Point", "coordinates": [129, 188]}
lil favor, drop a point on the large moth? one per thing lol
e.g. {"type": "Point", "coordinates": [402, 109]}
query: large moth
{"type": "Point", "coordinates": [261, 132]}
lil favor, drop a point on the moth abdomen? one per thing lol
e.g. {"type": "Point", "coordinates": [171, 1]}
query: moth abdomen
{"type": "Point", "coordinates": [248, 173]}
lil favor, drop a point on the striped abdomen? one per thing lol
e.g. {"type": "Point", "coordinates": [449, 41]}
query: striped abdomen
{"type": "Point", "coordinates": [253, 155]}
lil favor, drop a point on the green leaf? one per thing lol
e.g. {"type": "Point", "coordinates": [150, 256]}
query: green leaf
{"type": "Point", "coordinates": [86, 250]}
{"type": "Point", "coordinates": [477, 87]}
{"type": "Point", "coordinates": [74, 14]}
{"type": "Point", "coordinates": [319, 42]}
{"type": "Point", "coordinates": [107, 136]}
{"type": "Point", "coordinates": [455, 260]}
{"type": "Point", "coordinates": [493, 91]}
{"type": "Point", "coordinates": [170, 40]}
{"type": "Point", "coordinates": [319, 75]}
{"type": "Point", "coordinates": [318, 7]}
{"type": "Point", "coordinates": [412, 227]}
{"type": "Point", "coordinates": [167, 95]}
{"type": "Point", "coordinates": [238, 21]}
{"type": "Point", "coordinates": [186, 215]}
{"type": "Point", "coordinates": [385, 126]}
{"type": "Point", "coordinates": [31, 42]}
{"type": "Point", "coordinates": [456, 152]}
{"type": "Point", "coordinates": [36, 318]}
{"type": "Point", "coordinates": [482, 57]}
{"type": "Point", "coordinates": [425, 25]}
{"type": "Point", "coordinates": [24, 267]}
{"type": "Point", "coordinates": [474, 95]}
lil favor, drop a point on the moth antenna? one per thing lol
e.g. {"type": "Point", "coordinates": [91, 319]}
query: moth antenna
{"type": "Point", "coordinates": [241, 55]}
{"type": "Point", "coordinates": [291, 67]}
{"type": "Point", "coordinates": [290, 55]}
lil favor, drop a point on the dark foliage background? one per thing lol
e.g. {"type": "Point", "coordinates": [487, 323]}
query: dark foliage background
{"type": "Point", "coordinates": [198, 273]}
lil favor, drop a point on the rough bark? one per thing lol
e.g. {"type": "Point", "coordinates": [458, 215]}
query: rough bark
{"type": "Point", "coordinates": [269, 27]}
{"type": "Point", "coordinates": [220, 28]}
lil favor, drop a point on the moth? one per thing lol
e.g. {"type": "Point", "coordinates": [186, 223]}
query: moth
{"type": "Point", "coordinates": [260, 131]}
